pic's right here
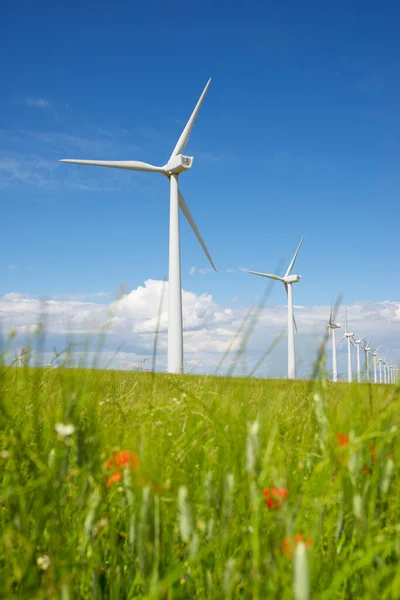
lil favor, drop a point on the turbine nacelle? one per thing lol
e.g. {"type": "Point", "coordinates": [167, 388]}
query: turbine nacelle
{"type": "Point", "coordinates": [178, 164]}
{"type": "Point", "coordinates": [292, 278]}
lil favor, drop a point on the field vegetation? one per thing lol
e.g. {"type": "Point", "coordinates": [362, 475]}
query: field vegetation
{"type": "Point", "coordinates": [141, 485]}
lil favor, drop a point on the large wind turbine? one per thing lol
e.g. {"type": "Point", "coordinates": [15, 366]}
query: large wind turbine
{"type": "Point", "coordinates": [332, 328]}
{"type": "Point", "coordinates": [357, 343]}
{"type": "Point", "coordinates": [177, 164]}
{"type": "Point", "coordinates": [288, 280]}
{"type": "Point", "coordinates": [349, 336]}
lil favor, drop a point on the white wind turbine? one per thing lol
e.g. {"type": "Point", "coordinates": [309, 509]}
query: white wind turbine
{"type": "Point", "coordinates": [177, 164]}
{"type": "Point", "coordinates": [390, 375]}
{"type": "Point", "coordinates": [350, 337]}
{"type": "Point", "coordinates": [384, 363]}
{"type": "Point", "coordinates": [288, 280]}
{"type": "Point", "coordinates": [357, 343]}
{"type": "Point", "coordinates": [332, 329]}
{"type": "Point", "coordinates": [367, 351]}
{"type": "Point", "coordinates": [374, 355]}
{"type": "Point", "coordinates": [380, 362]}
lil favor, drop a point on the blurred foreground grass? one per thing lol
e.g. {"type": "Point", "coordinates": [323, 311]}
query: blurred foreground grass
{"type": "Point", "coordinates": [218, 480]}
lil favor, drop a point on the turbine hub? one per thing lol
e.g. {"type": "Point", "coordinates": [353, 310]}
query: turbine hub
{"type": "Point", "coordinates": [178, 164]}
{"type": "Point", "coordinates": [292, 278]}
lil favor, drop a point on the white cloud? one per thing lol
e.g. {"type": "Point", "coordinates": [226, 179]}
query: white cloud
{"type": "Point", "coordinates": [37, 102]}
{"type": "Point", "coordinates": [209, 328]}
{"type": "Point", "coordinates": [192, 270]}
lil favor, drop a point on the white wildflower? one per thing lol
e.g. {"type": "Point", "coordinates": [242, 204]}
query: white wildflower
{"type": "Point", "coordinates": [43, 562]}
{"type": "Point", "coordinates": [64, 430]}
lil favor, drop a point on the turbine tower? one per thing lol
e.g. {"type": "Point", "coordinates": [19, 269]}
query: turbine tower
{"type": "Point", "coordinates": [288, 280]}
{"type": "Point", "coordinates": [332, 328]}
{"type": "Point", "coordinates": [357, 343]}
{"type": "Point", "coordinates": [177, 164]}
{"type": "Point", "coordinates": [350, 337]}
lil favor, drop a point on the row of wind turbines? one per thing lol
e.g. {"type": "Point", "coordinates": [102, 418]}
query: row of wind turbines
{"type": "Point", "coordinates": [388, 372]}
{"type": "Point", "coordinates": [176, 165]}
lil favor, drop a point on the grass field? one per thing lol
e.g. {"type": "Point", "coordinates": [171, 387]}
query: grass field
{"type": "Point", "coordinates": [134, 485]}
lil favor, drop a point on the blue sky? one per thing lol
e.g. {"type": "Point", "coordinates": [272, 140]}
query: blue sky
{"type": "Point", "coordinates": [298, 135]}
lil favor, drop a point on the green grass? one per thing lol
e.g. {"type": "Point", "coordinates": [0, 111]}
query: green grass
{"type": "Point", "coordinates": [192, 521]}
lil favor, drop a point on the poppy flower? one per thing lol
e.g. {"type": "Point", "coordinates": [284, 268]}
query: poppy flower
{"type": "Point", "coordinates": [289, 545]}
{"type": "Point", "coordinates": [123, 458]}
{"type": "Point", "coordinates": [343, 439]}
{"type": "Point", "coordinates": [274, 497]}
{"type": "Point", "coordinates": [114, 478]}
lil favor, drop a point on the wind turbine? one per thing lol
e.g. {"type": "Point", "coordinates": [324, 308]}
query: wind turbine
{"type": "Point", "coordinates": [375, 354]}
{"type": "Point", "coordinates": [288, 280]}
{"type": "Point", "coordinates": [20, 360]}
{"type": "Point", "coordinates": [367, 351]}
{"type": "Point", "coordinates": [390, 373]}
{"type": "Point", "coordinates": [349, 336]}
{"type": "Point", "coordinates": [380, 361]}
{"type": "Point", "coordinates": [384, 363]}
{"type": "Point", "coordinates": [177, 164]}
{"type": "Point", "coordinates": [332, 328]}
{"type": "Point", "coordinates": [357, 343]}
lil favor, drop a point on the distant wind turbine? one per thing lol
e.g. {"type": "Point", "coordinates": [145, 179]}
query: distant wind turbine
{"type": "Point", "coordinates": [332, 330]}
{"type": "Point", "coordinates": [349, 336]}
{"type": "Point", "coordinates": [374, 355]}
{"type": "Point", "coordinates": [357, 343]}
{"type": "Point", "coordinates": [177, 164]}
{"type": "Point", "coordinates": [380, 361]}
{"type": "Point", "coordinates": [384, 364]}
{"type": "Point", "coordinates": [367, 351]}
{"type": "Point", "coordinates": [288, 280]}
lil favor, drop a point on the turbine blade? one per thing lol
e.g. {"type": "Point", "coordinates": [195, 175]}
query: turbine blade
{"type": "Point", "coordinates": [192, 224]}
{"type": "Point", "coordinates": [294, 258]}
{"type": "Point", "coordinates": [330, 317]}
{"type": "Point", "coordinates": [269, 275]}
{"type": "Point", "coordinates": [343, 338]}
{"type": "Point", "coordinates": [130, 165]}
{"type": "Point", "coordinates": [183, 140]}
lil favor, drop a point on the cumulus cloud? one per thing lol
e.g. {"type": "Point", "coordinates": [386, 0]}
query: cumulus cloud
{"type": "Point", "coordinates": [209, 328]}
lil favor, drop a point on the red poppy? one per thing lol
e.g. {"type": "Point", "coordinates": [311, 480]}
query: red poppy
{"type": "Point", "coordinates": [390, 455]}
{"type": "Point", "coordinates": [114, 478]}
{"type": "Point", "coordinates": [289, 545]}
{"type": "Point", "coordinates": [343, 439]}
{"type": "Point", "coordinates": [123, 458]}
{"type": "Point", "coordinates": [274, 497]}
{"type": "Point", "coordinates": [366, 471]}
